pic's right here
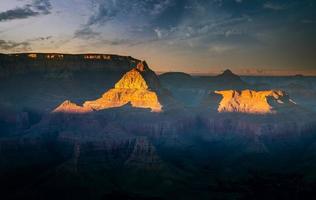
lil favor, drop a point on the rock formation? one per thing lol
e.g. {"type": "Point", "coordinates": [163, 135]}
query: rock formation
{"type": "Point", "coordinates": [228, 81]}
{"type": "Point", "coordinates": [45, 64]}
{"type": "Point", "coordinates": [254, 102]}
{"type": "Point", "coordinates": [69, 107]}
{"type": "Point", "coordinates": [143, 155]}
{"type": "Point", "coordinates": [138, 87]}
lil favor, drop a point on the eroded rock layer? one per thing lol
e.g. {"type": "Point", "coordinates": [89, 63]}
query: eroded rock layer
{"type": "Point", "coordinates": [250, 101]}
{"type": "Point", "coordinates": [137, 87]}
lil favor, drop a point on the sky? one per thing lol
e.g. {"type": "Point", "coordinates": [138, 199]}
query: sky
{"type": "Point", "coordinates": [250, 37]}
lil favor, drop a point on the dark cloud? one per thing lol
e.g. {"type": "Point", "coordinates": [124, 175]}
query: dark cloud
{"type": "Point", "coordinates": [108, 10]}
{"type": "Point", "coordinates": [37, 7]}
{"type": "Point", "coordinates": [131, 13]}
{"type": "Point", "coordinates": [40, 39]}
{"type": "Point", "coordinates": [14, 46]}
{"type": "Point", "coordinates": [26, 45]}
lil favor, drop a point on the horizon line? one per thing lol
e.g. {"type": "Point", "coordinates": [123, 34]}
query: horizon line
{"type": "Point", "coordinates": [268, 74]}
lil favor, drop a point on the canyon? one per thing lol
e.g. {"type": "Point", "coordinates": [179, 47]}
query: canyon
{"type": "Point", "coordinates": [146, 131]}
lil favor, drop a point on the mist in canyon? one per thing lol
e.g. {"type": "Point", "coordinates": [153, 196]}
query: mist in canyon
{"type": "Point", "coordinates": [101, 126]}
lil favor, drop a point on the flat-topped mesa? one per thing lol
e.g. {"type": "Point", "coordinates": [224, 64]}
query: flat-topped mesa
{"type": "Point", "coordinates": [48, 64]}
{"type": "Point", "coordinates": [69, 107]}
{"type": "Point", "coordinates": [137, 87]}
{"type": "Point", "coordinates": [253, 102]}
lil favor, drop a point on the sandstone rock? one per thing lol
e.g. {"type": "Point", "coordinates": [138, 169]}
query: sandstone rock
{"type": "Point", "coordinates": [135, 87]}
{"type": "Point", "coordinates": [69, 107]}
{"type": "Point", "coordinates": [139, 87]}
{"type": "Point", "coordinates": [250, 101]}
{"type": "Point", "coordinates": [140, 98]}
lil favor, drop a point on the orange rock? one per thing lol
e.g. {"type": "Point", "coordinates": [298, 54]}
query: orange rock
{"type": "Point", "coordinates": [69, 107]}
{"type": "Point", "coordinates": [250, 101]}
{"type": "Point", "coordinates": [140, 98]}
{"type": "Point", "coordinates": [132, 80]}
{"type": "Point", "coordinates": [135, 87]}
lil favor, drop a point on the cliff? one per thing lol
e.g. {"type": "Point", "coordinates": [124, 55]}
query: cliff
{"type": "Point", "coordinates": [138, 87]}
{"type": "Point", "coordinates": [253, 102]}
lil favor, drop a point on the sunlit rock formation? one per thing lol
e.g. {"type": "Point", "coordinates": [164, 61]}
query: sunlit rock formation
{"type": "Point", "coordinates": [138, 87]}
{"type": "Point", "coordinates": [254, 102]}
{"type": "Point", "coordinates": [69, 107]}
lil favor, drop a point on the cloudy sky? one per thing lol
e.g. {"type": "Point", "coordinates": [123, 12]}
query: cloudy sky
{"type": "Point", "coordinates": [196, 36]}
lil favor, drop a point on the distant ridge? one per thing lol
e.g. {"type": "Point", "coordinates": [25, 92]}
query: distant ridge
{"type": "Point", "coordinates": [45, 63]}
{"type": "Point", "coordinates": [62, 56]}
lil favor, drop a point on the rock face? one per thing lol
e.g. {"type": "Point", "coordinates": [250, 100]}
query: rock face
{"type": "Point", "coordinates": [69, 107]}
{"type": "Point", "coordinates": [253, 102]}
{"type": "Point", "coordinates": [138, 87]}
{"type": "Point", "coordinates": [143, 155]}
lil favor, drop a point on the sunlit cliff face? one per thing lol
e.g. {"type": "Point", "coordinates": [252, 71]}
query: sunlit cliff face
{"type": "Point", "coordinates": [132, 88]}
{"type": "Point", "coordinates": [132, 80]}
{"type": "Point", "coordinates": [253, 102]}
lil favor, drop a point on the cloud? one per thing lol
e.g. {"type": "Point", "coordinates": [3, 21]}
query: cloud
{"type": "Point", "coordinates": [86, 33]}
{"type": "Point", "coordinates": [14, 46]}
{"type": "Point", "coordinates": [273, 6]}
{"type": "Point", "coordinates": [160, 7]}
{"type": "Point", "coordinates": [133, 15]}
{"type": "Point", "coordinates": [217, 49]}
{"type": "Point", "coordinates": [39, 39]}
{"type": "Point", "coordinates": [106, 10]}
{"type": "Point", "coordinates": [37, 7]}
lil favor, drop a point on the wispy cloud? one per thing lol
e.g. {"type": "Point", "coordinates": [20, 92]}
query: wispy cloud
{"type": "Point", "coordinates": [86, 33]}
{"type": "Point", "coordinates": [274, 6]}
{"type": "Point", "coordinates": [37, 7]}
{"type": "Point", "coordinates": [128, 13]}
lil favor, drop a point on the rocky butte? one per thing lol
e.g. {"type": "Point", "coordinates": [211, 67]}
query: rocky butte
{"type": "Point", "coordinates": [137, 87]}
{"type": "Point", "coordinates": [253, 102]}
